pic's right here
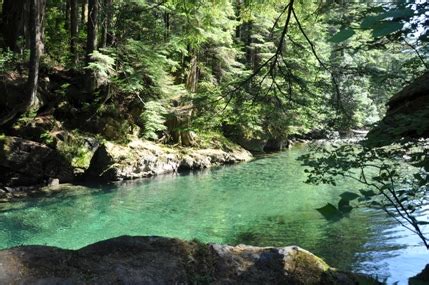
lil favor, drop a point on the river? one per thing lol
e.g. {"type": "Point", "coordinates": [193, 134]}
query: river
{"type": "Point", "coordinates": [263, 203]}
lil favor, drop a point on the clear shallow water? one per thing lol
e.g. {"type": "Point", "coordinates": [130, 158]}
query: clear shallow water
{"type": "Point", "coordinates": [264, 202]}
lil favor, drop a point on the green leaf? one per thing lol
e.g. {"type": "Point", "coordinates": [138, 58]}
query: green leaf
{"type": "Point", "coordinates": [342, 35]}
{"type": "Point", "coordinates": [386, 28]}
{"type": "Point", "coordinates": [349, 196]}
{"type": "Point", "coordinates": [329, 212]}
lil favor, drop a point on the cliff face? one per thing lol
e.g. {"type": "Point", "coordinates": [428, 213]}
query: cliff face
{"type": "Point", "coordinates": [157, 260]}
{"type": "Point", "coordinates": [407, 115]}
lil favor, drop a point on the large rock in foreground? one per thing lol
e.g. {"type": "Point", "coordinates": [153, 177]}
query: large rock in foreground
{"type": "Point", "coordinates": [138, 159]}
{"type": "Point", "coordinates": [155, 260]}
{"type": "Point", "coordinates": [28, 163]}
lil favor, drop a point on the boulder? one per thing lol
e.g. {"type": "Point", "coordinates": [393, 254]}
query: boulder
{"type": "Point", "coordinates": [407, 115]}
{"type": "Point", "coordinates": [275, 144]}
{"type": "Point", "coordinates": [157, 260]}
{"type": "Point", "coordinates": [255, 145]}
{"type": "Point", "coordinates": [421, 278]}
{"type": "Point", "coordinates": [25, 163]}
{"type": "Point", "coordinates": [139, 159]}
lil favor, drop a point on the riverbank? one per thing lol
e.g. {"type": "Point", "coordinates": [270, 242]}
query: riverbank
{"type": "Point", "coordinates": [31, 168]}
{"type": "Point", "coordinates": [157, 260]}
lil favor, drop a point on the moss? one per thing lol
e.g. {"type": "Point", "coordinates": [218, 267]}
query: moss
{"type": "Point", "coordinates": [200, 264]}
{"type": "Point", "coordinates": [75, 151]}
{"type": "Point", "coordinates": [308, 268]}
{"type": "Point", "coordinates": [215, 140]}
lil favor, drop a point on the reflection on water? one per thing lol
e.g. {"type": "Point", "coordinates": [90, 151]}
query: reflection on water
{"type": "Point", "coordinates": [263, 203]}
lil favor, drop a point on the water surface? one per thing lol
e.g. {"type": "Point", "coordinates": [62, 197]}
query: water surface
{"type": "Point", "coordinates": [263, 203]}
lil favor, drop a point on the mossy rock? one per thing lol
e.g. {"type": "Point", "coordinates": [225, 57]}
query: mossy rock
{"type": "Point", "coordinates": [158, 260]}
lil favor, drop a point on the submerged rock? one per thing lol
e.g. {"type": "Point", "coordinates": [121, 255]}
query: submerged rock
{"type": "Point", "coordinates": [138, 159]}
{"type": "Point", "coordinates": [157, 260]}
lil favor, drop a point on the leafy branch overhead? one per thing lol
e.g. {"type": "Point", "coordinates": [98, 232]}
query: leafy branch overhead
{"type": "Point", "coordinates": [393, 178]}
{"type": "Point", "coordinates": [404, 20]}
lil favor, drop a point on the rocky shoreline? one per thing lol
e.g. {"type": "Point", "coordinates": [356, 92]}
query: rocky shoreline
{"type": "Point", "coordinates": [31, 168]}
{"type": "Point", "coordinates": [141, 159]}
{"type": "Point", "coordinates": [158, 260]}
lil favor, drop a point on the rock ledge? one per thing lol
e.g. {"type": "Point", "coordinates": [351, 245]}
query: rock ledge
{"type": "Point", "coordinates": [139, 159]}
{"type": "Point", "coordinates": [157, 260]}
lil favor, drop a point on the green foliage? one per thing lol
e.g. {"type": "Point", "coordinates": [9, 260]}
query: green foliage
{"type": "Point", "coordinates": [153, 118]}
{"type": "Point", "coordinates": [78, 155]}
{"type": "Point", "coordinates": [6, 60]}
{"type": "Point", "coordinates": [394, 179]}
{"type": "Point", "coordinates": [75, 149]}
{"type": "Point", "coordinates": [236, 66]}
{"type": "Point", "coordinates": [47, 138]}
{"type": "Point", "coordinates": [102, 64]}
{"type": "Point", "coordinates": [56, 36]}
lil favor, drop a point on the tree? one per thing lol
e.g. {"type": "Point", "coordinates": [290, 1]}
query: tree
{"type": "Point", "coordinates": [37, 8]}
{"type": "Point", "coordinates": [15, 23]}
{"type": "Point", "coordinates": [92, 26]}
{"type": "Point", "coordinates": [84, 13]}
{"type": "Point", "coordinates": [106, 38]}
{"type": "Point", "coordinates": [73, 30]}
{"type": "Point", "coordinates": [91, 43]}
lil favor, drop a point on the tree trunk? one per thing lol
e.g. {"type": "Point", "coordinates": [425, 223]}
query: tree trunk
{"type": "Point", "coordinates": [250, 49]}
{"type": "Point", "coordinates": [167, 26]}
{"type": "Point", "coordinates": [107, 36]}
{"type": "Point", "coordinates": [14, 24]}
{"type": "Point", "coordinates": [193, 74]}
{"type": "Point", "coordinates": [37, 8]}
{"type": "Point", "coordinates": [84, 15]}
{"type": "Point", "coordinates": [238, 15]}
{"type": "Point", "coordinates": [67, 14]}
{"type": "Point", "coordinates": [73, 30]}
{"type": "Point", "coordinates": [91, 43]}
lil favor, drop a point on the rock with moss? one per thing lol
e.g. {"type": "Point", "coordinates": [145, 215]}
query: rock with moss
{"type": "Point", "coordinates": [139, 159]}
{"type": "Point", "coordinates": [157, 260]}
{"type": "Point", "coordinates": [28, 163]}
{"type": "Point", "coordinates": [407, 115]}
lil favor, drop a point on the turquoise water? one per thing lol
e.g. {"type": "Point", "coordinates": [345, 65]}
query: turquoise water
{"type": "Point", "coordinates": [264, 202]}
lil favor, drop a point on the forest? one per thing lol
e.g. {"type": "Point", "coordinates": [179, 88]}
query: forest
{"type": "Point", "coordinates": [325, 102]}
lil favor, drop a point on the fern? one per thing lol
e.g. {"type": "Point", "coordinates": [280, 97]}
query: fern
{"type": "Point", "coordinates": [154, 119]}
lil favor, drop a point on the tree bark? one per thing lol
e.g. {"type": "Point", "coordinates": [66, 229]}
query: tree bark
{"type": "Point", "coordinates": [36, 47]}
{"type": "Point", "coordinates": [167, 26]}
{"type": "Point", "coordinates": [14, 24]}
{"type": "Point", "coordinates": [238, 15]}
{"type": "Point", "coordinates": [73, 30]}
{"type": "Point", "coordinates": [84, 14]}
{"type": "Point", "coordinates": [106, 36]}
{"type": "Point", "coordinates": [193, 74]}
{"type": "Point", "coordinates": [91, 43]}
{"type": "Point", "coordinates": [67, 14]}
